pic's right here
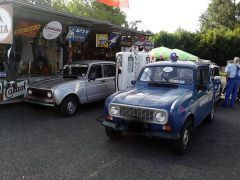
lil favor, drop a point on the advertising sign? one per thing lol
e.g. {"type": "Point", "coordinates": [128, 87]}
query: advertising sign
{"type": "Point", "coordinates": [126, 41]}
{"type": "Point", "coordinates": [77, 34]}
{"type": "Point", "coordinates": [102, 40]}
{"type": "Point", "coordinates": [27, 29]}
{"type": "Point", "coordinates": [52, 30]}
{"type": "Point", "coordinates": [113, 39]}
{"type": "Point", "coordinates": [15, 91]}
{"type": "Point", "coordinates": [6, 24]}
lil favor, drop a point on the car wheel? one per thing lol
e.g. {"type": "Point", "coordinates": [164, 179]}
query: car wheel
{"type": "Point", "coordinates": [112, 134]}
{"type": "Point", "coordinates": [68, 106]}
{"type": "Point", "coordinates": [210, 117]}
{"type": "Point", "coordinates": [181, 145]}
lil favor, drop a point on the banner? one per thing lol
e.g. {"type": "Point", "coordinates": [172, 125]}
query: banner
{"type": "Point", "coordinates": [115, 3]}
{"type": "Point", "coordinates": [77, 34]}
{"type": "Point", "coordinates": [113, 39]}
{"type": "Point", "coordinates": [6, 24]}
{"type": "Point", "coordinates": [102, 40]}
{"type": "Point", "coordinates": [27, 29]}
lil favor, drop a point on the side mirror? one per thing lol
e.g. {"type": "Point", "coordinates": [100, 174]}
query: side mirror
{"type": "Point", "coordinates": [133, 82]}
{"type": "Point", "coordinates": [92, 76]}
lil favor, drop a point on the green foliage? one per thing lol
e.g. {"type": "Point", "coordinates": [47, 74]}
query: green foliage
{"type": "Point", "coordinates": [221, 14]}
{"type": "Point", "coordinates": [95, 10]}
{"type": "Point", "coordinates": [181, 39]}
{"type": "Point", "coordinates": [219, 38]}
{"type": "Point", "coordinates": [78, 7]}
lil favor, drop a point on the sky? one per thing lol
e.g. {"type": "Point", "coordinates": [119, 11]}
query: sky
{"type": "Point", "coordinates": [168, 15]}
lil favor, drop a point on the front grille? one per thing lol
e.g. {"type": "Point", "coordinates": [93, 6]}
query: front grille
{"type": "Point", "coordinates": [40, 93]}
{"type": "Point", "coordinates": [136, 113]}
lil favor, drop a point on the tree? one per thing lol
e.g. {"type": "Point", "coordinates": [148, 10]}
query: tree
{"type": "Point", "coordinates": [95, 10]}
{"type": "Point", "coordinates": [221, 13]}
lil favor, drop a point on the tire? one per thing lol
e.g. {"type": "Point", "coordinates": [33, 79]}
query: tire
{"type": "Point", "coordinates": [69, 105]}
{"type": "Point", "coordinates": [210, 117]}
{"type": "Point", "coordinates": [112, 134]}
{"type": "Point", "coordinates": [181, 145]}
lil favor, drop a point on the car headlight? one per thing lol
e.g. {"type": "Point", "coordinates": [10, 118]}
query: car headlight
{"type": "Point", "coordinates": [114, 110]}
{"type": "Point", "coordinates": [29, 92]}
{"type": "Point", "coordinates": [161, 117]}
{"type": "Point", "coordinates": [49, 94]}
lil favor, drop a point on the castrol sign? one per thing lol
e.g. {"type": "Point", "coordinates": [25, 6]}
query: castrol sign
{"type": "Point", "coordinates": [52, 30]}
{"type": "Point", "coordinates": [16, 91]}
{"type": "Point", "coordinates": [6, 27]}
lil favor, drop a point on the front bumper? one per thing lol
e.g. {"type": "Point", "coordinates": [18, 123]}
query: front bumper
{"type": "Point", "coordinates": [146, 131]}
{"type": "Point", "coordinates": [39, 101]}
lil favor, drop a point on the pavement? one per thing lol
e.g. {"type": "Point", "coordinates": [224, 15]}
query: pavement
{"type": "Point", "coordinates": [37, 143]}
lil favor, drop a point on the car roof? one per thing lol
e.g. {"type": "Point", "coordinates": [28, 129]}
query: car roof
{"type": "Point", "coordinates": [189, 64]}
{"type": "Point", "coordinates": [90, 62]}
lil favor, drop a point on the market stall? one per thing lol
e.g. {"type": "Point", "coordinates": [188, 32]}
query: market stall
{"type": "Point", "coordinates": [43, 40]}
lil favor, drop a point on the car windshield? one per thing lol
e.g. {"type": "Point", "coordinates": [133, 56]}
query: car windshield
{"type": "Point", "coordinates": [75, 70]}
{"type": "Point", "coordinates": [167, 74]}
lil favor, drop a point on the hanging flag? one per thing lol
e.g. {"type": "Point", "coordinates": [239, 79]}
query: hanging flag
{"type": "Point", "coordinates": [115, 3]}
{"type": "Point", "coordinates": [102, 40]}
{"type": "Point", "coordinates": [113, 39]}
{"type": "Point", "coordinates": [77, 34]}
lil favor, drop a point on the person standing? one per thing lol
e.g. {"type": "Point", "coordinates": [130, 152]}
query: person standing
{"type": "Point", "coordinates": [233, 82]}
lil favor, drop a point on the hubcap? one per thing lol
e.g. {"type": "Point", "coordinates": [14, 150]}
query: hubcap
{"type": "Point", "coordinates": [185, 138]}
{"type": "Point", "coordinates": [71, 107]}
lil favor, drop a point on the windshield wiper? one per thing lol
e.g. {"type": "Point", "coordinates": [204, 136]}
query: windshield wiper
{"type": "Point", "coordinates": [164, 77]}
{"type": "Point", "coordinates": [156, 82]}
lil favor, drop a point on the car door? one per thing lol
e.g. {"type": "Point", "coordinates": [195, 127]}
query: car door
{"type": "Point", "coordinates": [204, 92]}
{"type": "Point", "coordinates": [96, 87]}
{"type": "Point", "coordinates": [109, 74]}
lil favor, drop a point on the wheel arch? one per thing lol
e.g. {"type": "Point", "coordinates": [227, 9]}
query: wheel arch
{"type": "Point", "coordinates": [71, 95]}
{"type": "Point", "coordinates": [190, 118]}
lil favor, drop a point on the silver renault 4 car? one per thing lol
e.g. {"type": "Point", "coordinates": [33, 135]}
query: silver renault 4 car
{"type": "Point", "coordinates": [79, 83]}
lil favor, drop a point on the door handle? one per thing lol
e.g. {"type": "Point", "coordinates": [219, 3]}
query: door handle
{"type": "Point", "coordinates": [103, 81]}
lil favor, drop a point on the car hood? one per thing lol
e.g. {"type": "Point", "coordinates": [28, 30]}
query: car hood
{"type": "Point", "coordinates": [151, 97]}
{"type": "Point", "coordinates": [53, 83]}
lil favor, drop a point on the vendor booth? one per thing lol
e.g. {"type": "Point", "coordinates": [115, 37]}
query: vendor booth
{"type": "Point", "coordinates": [43, 40]}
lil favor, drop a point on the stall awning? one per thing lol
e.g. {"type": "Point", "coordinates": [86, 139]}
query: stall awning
{"type": "Point", "coordinates": [31, 12]}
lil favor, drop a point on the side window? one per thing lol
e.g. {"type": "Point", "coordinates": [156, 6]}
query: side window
{"type": "Point", "coordinates": [109, 70]}
{"type": "Point", "coordinates": [199, 76]}
{"type": "Point", "coordinates": [205, 76]}
{"type": "Point", "coordinates": [96, 71]}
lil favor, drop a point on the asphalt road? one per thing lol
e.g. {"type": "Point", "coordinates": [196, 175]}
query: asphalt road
{"type": "Point", "coordinates": [36, 143]}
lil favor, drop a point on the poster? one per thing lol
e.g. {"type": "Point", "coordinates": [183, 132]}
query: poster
{"type": "Point", "coordinates": [102, 40]}
{"type": "Point", "coordinates": [78, 34]}
{"type": "Point", "coordinates": [6, 24]}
